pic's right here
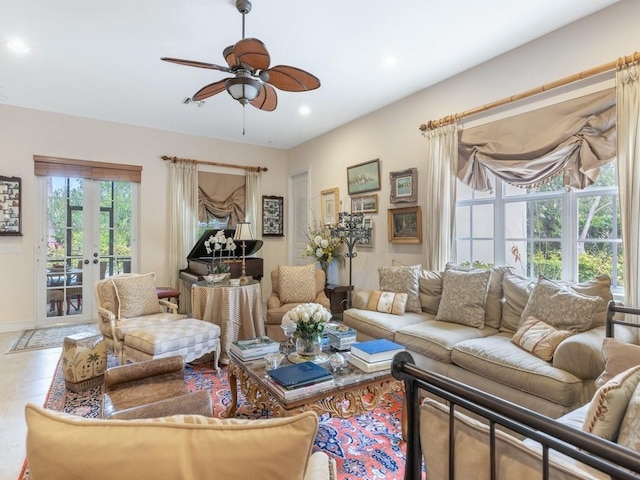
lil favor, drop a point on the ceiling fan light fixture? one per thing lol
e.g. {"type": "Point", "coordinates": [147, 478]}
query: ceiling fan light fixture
{"type": "Point", "coordinates": [243, 89]}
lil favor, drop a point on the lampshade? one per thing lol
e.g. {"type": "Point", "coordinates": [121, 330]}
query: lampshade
{"type": "Point", "coordinates": [243, 231]}
{"type": "Point", "coordinates": [243, 89]}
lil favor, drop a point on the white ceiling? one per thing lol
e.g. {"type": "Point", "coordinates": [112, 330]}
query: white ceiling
{"type": "Point", "coordinates": [102, 59]}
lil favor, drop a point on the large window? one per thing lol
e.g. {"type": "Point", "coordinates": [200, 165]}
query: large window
{"type": "Point", "coordinates": [563, 234]}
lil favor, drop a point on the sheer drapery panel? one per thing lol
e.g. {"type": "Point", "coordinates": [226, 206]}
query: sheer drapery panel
{"type": "Point", "coordinates": [253, 207]}
{"type": "Point", "coordinates": [573, 138]}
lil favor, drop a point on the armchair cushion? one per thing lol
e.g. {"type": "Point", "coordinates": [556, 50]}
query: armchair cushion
{"type": "Point", "coordinates": [136, 295]}
{"type": "Point", "coordinates": [180, 446]}
{"type": "Point", "coordinates": [297, 283]}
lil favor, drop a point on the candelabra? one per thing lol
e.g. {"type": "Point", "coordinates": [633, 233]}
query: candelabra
{"type": "Point", "coordinates": [350, 229]}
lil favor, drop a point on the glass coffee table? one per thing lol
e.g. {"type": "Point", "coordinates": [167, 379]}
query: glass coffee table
{"type": "Point", "coordinates": [354, 391]}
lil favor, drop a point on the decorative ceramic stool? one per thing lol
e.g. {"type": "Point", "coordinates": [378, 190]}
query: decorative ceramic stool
{"type": "Point", "coordinates": [84, 360]}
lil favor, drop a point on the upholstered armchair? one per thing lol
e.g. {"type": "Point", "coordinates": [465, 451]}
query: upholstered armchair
{"type": "Point", "coordinates": [150, 389]}
{"type": "Point", "coordinates": [291, 286]}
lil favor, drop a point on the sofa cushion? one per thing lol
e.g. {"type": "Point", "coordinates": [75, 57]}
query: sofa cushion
{"type": "Point", "coordinates": [539, 338]}
{"type": "Point", "coordinates": [297, 283]}
{"type": "Point", "coordinates": [630, 425]}
{"type": "Point", "coordinates": [430, 284]}
{"type": "Point", "coordinates": [496, 358]}
{"type": "Point", "coordinates": [618, 357]}
{"type": "Point", "coordinates": [516, 290]}
{"type": "Point", "coordinates": [136, 295]}
{"type": "Point", "coordinates": [435, 339]}
{"type": "Point", "coordinates": [608, 406]}
{"type": "Point", "coordinates": [401, 279]}
{"type": "Point", "coordinates": [599, 286]}
{"type": "Point", "coordinates": [380, 325]}
{"type": "Point", "coordinates": [199, 447]}
{"type": "Point", "coordinates": [464, 295]}
{"type": "Point", "coordinates": [387, 302]}
{"type": "Point", "coordinates": [561, 307]}
{"type": "Point", "coordinates": [580, 354]}
{"type": "Point", "coordinates": [493, 306]}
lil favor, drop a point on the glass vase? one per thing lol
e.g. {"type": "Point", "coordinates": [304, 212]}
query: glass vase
{"type": "Point", "coordinates": [309, 346]}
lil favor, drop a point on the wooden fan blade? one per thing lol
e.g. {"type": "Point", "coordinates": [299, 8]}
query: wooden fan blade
{"type": "Point", "coordinates": [230, 57]}
{"type": "Point", "coordinates": [252, 52]}
{"type": "Point", "coordinates": [292, 79]}
{"type": "Point", "coordinates": [267, 99]}
{"type": "Point", "coordinates": [193, 63]}
{"type": "Point", "coordinates": [209, 91]}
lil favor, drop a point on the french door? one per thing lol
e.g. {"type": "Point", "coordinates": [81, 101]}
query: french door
{"type": "Point", "coordinates": [86, 232]}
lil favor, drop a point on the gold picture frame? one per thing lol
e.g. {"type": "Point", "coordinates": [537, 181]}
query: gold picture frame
{"type": "Point", "coordinates": [329, 204]}
{"type": "Point", "coordinates": [405, 225]}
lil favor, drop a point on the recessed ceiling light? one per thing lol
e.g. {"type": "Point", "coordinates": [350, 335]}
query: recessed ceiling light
{"type": "Point", "coordinates": [389, 61]}
{"type": "Point", "coordinates": [18, 46]}
{"type": "Point", "coordinates": [304, 111]}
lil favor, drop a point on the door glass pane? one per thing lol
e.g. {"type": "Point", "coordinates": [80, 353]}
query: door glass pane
{"type": "Point", "coordinates": [115, 228]}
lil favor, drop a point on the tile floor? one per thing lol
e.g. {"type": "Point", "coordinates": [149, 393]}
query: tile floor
{"type": "Point", "coordinates": [24, 377]}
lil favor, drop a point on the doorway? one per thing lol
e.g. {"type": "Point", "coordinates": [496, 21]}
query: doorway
{"type": "Point", "coordinates": [298, 217]}
{"type": "Point", "coordinates": [86, 232]}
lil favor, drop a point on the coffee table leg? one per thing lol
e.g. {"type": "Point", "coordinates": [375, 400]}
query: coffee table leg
{"type": "Point", "coordinates": [233, 386]}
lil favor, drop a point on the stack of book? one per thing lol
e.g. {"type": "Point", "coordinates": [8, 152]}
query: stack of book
{"type": "Point", "coordinates": [300, 379]}
{"type": "Point", "coordinates": [340, 336]}
{"type": "Point", "coordinates": [374, 355]}
{"type": "Point", "coordinates": [254, 348]}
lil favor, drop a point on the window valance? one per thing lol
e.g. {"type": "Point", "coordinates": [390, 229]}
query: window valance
{"type": "Point", "coordinates": [573, 138]}
{"type": "Point", "coordinates": [221, 195]}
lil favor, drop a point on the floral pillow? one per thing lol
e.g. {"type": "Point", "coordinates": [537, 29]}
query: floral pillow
{"type": "Point", "coordinates": [464, 295]}
{"type": "Point", "coordinates": [387, 302]}
{"type": "Point", "coordinates": [399, 279]}
{"type": "Point", "coordinates": [539, 338]}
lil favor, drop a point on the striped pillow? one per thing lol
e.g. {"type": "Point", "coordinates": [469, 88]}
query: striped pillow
{"type": "Point", "coordinates": [388, 302]}
{"type": "Point", "coordinates": [539, 338]}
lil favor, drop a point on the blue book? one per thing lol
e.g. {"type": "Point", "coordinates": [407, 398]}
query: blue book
{"type": "Point", "coordinates": [376, 350]}
{"type": "Point", "coordinates": [299, 374]}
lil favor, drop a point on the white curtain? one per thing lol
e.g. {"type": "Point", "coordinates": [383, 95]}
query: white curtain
{"type": "Point", "coordinates": [628, 101]}
{"type": "Point", "coordinates": [253, 207]}
{"type": "Point", "coordinates": [442, 157]}
{"type": "Point", "coordinates": [183, 222]}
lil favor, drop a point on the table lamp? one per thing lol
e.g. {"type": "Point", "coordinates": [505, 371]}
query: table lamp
{"type": "Point", "coordinates": [243, 233]}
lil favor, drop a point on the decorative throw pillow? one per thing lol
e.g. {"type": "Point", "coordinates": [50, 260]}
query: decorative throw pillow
{"type": "Point", "coordinates": [561, 307]}
{"type": "Point", "coordinates": [430, 283]}
{"type": "Point", "coordinates": [402, 280]}
{"type": "Point", "coordinates": [493, 307]}
{"type": "Point", "coordinates": [464, 295]}
{"type": "Point", "coordinates": [630, 426]}
{"type": "Point", "coordinates": [387, 302]}
{"type": "Point", "coordinates": [517, 290]}
{"type": "Point", "coordinates": [297, 283]}
{"type": "Point", "coordinates": [618, 356]}
{"type": "Point", "coordinates": [539, 338]}
{"type": "Point", "coordinates": [136, 295]}
{"type": "Point", "coordinates": [609, 403]}
{"type": "Point", "coordinates": [599, 286]}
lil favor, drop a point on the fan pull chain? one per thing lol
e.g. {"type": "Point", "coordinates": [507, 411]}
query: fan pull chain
{"type": "Point", "coordinates": [243, 110]}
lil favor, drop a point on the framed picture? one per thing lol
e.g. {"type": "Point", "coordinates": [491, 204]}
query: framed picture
{"type": "Point", "coordinates": [404, 186]}
{"type": "Point", "coordinates": [367, 242]}
{"type": "Point", "coordinates": [365, 203]}
{"type": "Point", "coordinates": [10, 206]}
{"type": "Point", "coordinates": [364, 177]}
{"type": "Point", "coordinates": [405, 225]}
{"type": "Point", "coordinates": [272, 216]}
{"type": "Point", "coordinates": [330, 200]}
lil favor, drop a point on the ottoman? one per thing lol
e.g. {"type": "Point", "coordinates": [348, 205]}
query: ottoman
{"type": "Point", "coordinates": [188, 337]}
{"type": "Point", "coordinates": [84, 360]}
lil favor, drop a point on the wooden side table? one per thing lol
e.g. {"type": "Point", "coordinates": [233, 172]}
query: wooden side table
{"type": "Point", "coordinates": [337, 295]}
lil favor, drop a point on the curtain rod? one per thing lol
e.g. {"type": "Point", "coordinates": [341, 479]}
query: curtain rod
{"type": "Point", "coordinates": [616, 64]}
{"type": "Point", "coordinates": [215, 164]}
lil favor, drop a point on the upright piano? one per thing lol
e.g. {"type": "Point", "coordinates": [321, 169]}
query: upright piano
{"type": "Point", "coordinates": [199, 261]}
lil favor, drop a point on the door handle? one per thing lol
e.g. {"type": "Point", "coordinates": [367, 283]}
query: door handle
{"type": "Point", "coordinates": [86, 262]}
{"type": "Point", "coordinates": [95, 260]}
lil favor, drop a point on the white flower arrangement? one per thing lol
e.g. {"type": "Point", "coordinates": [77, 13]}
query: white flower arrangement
{"type": "Point", "coordinates": [308, 319]}
{"type": "Point", "coordinates": [321, 245]}
{"type": "Point", "coordinates": [218, 243]}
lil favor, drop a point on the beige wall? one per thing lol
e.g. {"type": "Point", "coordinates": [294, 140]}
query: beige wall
{"type": "Point", "coordinates": [24, 133]}
{"type": "Point", "coordinates": [391, 134]}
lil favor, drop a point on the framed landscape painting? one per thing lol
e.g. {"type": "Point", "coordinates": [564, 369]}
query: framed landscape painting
{"type": "Point", "coordinates": [404, 186]}
{"type": "Point", "coordinates": [365, 203]}
{"type": "Point", "coordinates": [404, 225]}
{"type": "Point", "coordinates": [364, 177]}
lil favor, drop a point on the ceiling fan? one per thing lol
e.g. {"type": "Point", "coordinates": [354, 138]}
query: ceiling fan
{"type": "Point", "coordinates": [253, 81]}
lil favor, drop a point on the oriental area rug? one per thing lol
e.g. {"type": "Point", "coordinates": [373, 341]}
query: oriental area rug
{"type": "Point", "coordinates": [369, 446]}
{"type": "Point", "coordinates": [49, 337]}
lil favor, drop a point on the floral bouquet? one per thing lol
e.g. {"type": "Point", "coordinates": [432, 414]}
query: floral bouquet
{"type": "Point", "coordinates": [308, 319]}
{"type": "Point", "coordinates": [218, 243]}
{"type": "Point", "coordinates": [321, 245]}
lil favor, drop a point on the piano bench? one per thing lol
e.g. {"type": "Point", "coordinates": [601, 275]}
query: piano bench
{"type": "Point", "coordinates": [168, 292]}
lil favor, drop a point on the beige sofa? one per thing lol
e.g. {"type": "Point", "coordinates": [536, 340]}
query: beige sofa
{"type": "Point", "coordinates": [65, 447]}
{"type": "Point", "coordinates": [481, 354]}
